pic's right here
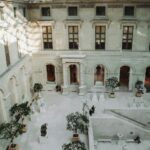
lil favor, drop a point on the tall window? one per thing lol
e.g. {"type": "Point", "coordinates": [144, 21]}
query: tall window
{"type": "Point", "coordinates": [127, 37]}
{"type": "Point", "coordinates": [100, 11]}
{"type": "Point", "coordinates": [129, 11]}
{"type": "Point", "coordinates": [7, 54]}
{"type": "Point", "coordinates": [45, 11]}
{"type": "Point", "coordinates": [73, 37]}
{"type": "Point", "coordinates": [24, 11]}
{"type": "Point", "coordinates": [15, 12]}
{"type": "Point", "coordinates": [50, 73]}
{"type": "Point", "coordinates": [100, 32]}
{"type": "Point", "coordinates": [72, 11]}
{"type": "Point", "coordinates": [47, 37]}
{"type": "Point", "coordinates": [1, 13]}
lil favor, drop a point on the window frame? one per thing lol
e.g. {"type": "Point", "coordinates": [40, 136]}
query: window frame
{"type": "Point", "coordinates": [127, 34]}
{"type": "Point", "coordinates": [126, 15]}
{"type": "Point", "coordinates": [100, 36]}
{"type": "Point", "coordinates": [76, 12]}
{"type": "Point", "coordinates": [15, 11]}
{"type": "Point", "coordinates": [102, 14]}
{"type": "Point", "coordinates": [73, 38]}
{"type": "Point", "coordinates": [47, 38]}
{"type": "Point", "coordinates": [42, 11]}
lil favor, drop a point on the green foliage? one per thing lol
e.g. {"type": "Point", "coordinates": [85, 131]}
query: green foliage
{"type": "Point", "coordinates": [112, 83]}
{"type": "Point", "coordinates": [10, 130]}
{"type": "Point", "coordinates": [37, 87]}
{"type": "Point", "coordinates": [20, 111]}
{"type": "Point", "coordinates": [139, 86]}
{"type": "Point", "coordinates": [77, 122]}
{"type": "Point", "coordinates": [78, 145]}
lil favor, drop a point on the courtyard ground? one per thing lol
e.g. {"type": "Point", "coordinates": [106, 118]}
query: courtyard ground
{"type": "Point", "coordinates": [57, 107]}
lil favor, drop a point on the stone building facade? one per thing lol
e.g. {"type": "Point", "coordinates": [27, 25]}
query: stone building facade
{"type": "Point", "coordinates": [72, 43]}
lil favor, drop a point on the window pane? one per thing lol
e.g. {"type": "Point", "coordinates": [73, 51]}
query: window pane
{"type": "Point", "coordinates": [73, 37]}
{"type": "Point", "coordinates": [45, 11]}
{"type": "Point", "coordinates": [72, 11]}
{"type": "Point", "coordinates": [97, 29]}
{"type": "Point", "coordinates": [130, 29]}
{"type": "Point", "coordinates": [76, 29]}
{"type": "Point", "coordinates": [70, 29]}
{"type": "Point", "coordinates": [129, 11]}
{"type": "Point", "coordinates": [100, 10]}
{"type": "Point", "coordinates": [103, 29]}
{"type": "Point", "coordinates": [44, 36]}
{"type": "Point", "coordinates": [127, 37]}
{"type": "Point", "coordinates": [100, 37]}
{"type": "Point", "coordinates": [47, 37]}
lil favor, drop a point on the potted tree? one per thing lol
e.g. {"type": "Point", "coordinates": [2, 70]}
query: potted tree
{"type": "Point", "coordinates": [112, 83]}
{"type": "Point", "coordinates": [77, 122]}
{"type": "Point", "coordinates": [140, 88]}
{"type": "Point", "coordinates": [19, 112]}
{"type": "Point", "coordinates": [37, 88]}
{"type": "Point", "coordinates": [10, 131]}
{"type": "Point", "coordinates": [77, 145]}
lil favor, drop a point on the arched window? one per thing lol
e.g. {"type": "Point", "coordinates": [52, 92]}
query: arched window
{"type": "Point", "coordinates": [50, 73]}
{"type": "Point", "coordinates": [124, 76]}
{"type": "Point", "coordinates": [147, 79]}
{"type": "Point", "coordinates": [73, 74]}
{"type": "Point", "coordinates": [99, 73]}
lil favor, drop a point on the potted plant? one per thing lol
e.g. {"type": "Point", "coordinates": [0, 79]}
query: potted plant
{"type": "Point", "coordinates": [37, 88]}
{"type": "Point", "coordinates": [77, 145]}
{"type": "Point", "coordinates": [20, 111]}
{"type": "Point", "coordinates": [77, 122]}
{"type": "Point", "coordinates": [112, 83]}
{"type": "Point", "coordinates": [10, 131]}
{"type": "Point", "coordinates": [140, 88]}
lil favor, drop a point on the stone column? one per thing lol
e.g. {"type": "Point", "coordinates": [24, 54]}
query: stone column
{"type": "Point", "coordinates": [82, 88]}
{"type": "Point", "coordinates": [65, 79]}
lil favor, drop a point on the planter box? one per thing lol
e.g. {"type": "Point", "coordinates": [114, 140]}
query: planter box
{"type": "Point", "coordinates": [112, 95]}
{"type": "Point", "coordinates": [13, 147]}
{"type": "Point", "coordinates": [138, 94]}
{"type": "Point", "coordinates": [75, 138]}
{"type": "Point", "coordinates": [24, 129]}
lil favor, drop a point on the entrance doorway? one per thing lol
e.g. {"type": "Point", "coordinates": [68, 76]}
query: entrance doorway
{"type": "Point", "coordinates": [50, 73]}
{"type": "Point", "coordinates": [73, 74]}
{"type": "Point", "coordinates": [99, 74]}
{"type": "Point", "coordinates": [147, 80]}
{"type": "Point", "coordinates": [124, 77]}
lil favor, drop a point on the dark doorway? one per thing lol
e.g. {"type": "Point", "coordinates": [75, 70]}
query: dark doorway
{"type": "Point", "coordinates": [73, 74]}
{"type": "Point", "coordinates": [147, 79]}
{"type": "Point", "coordinates": [99, 73]}
{"type": "Point", "coordinates": [50, 73]}
{"type": "Point", "coordinates": [124, 77]}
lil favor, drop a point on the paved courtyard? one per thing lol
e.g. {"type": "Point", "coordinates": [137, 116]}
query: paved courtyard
{"type": "Point", "coordinates": [57, 107]}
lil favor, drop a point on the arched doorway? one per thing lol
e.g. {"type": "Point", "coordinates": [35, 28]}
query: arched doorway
{"type": "Point", "coordinates": [50, 73]}
{"type": "Point", "coordinates": [124, 77]}
{"type": "Point", "coordinates": [147, 80]}
{"type": "Point", "coordinates": [73, 74]}
{"type": "Point", "coordinates": [99, 74]}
